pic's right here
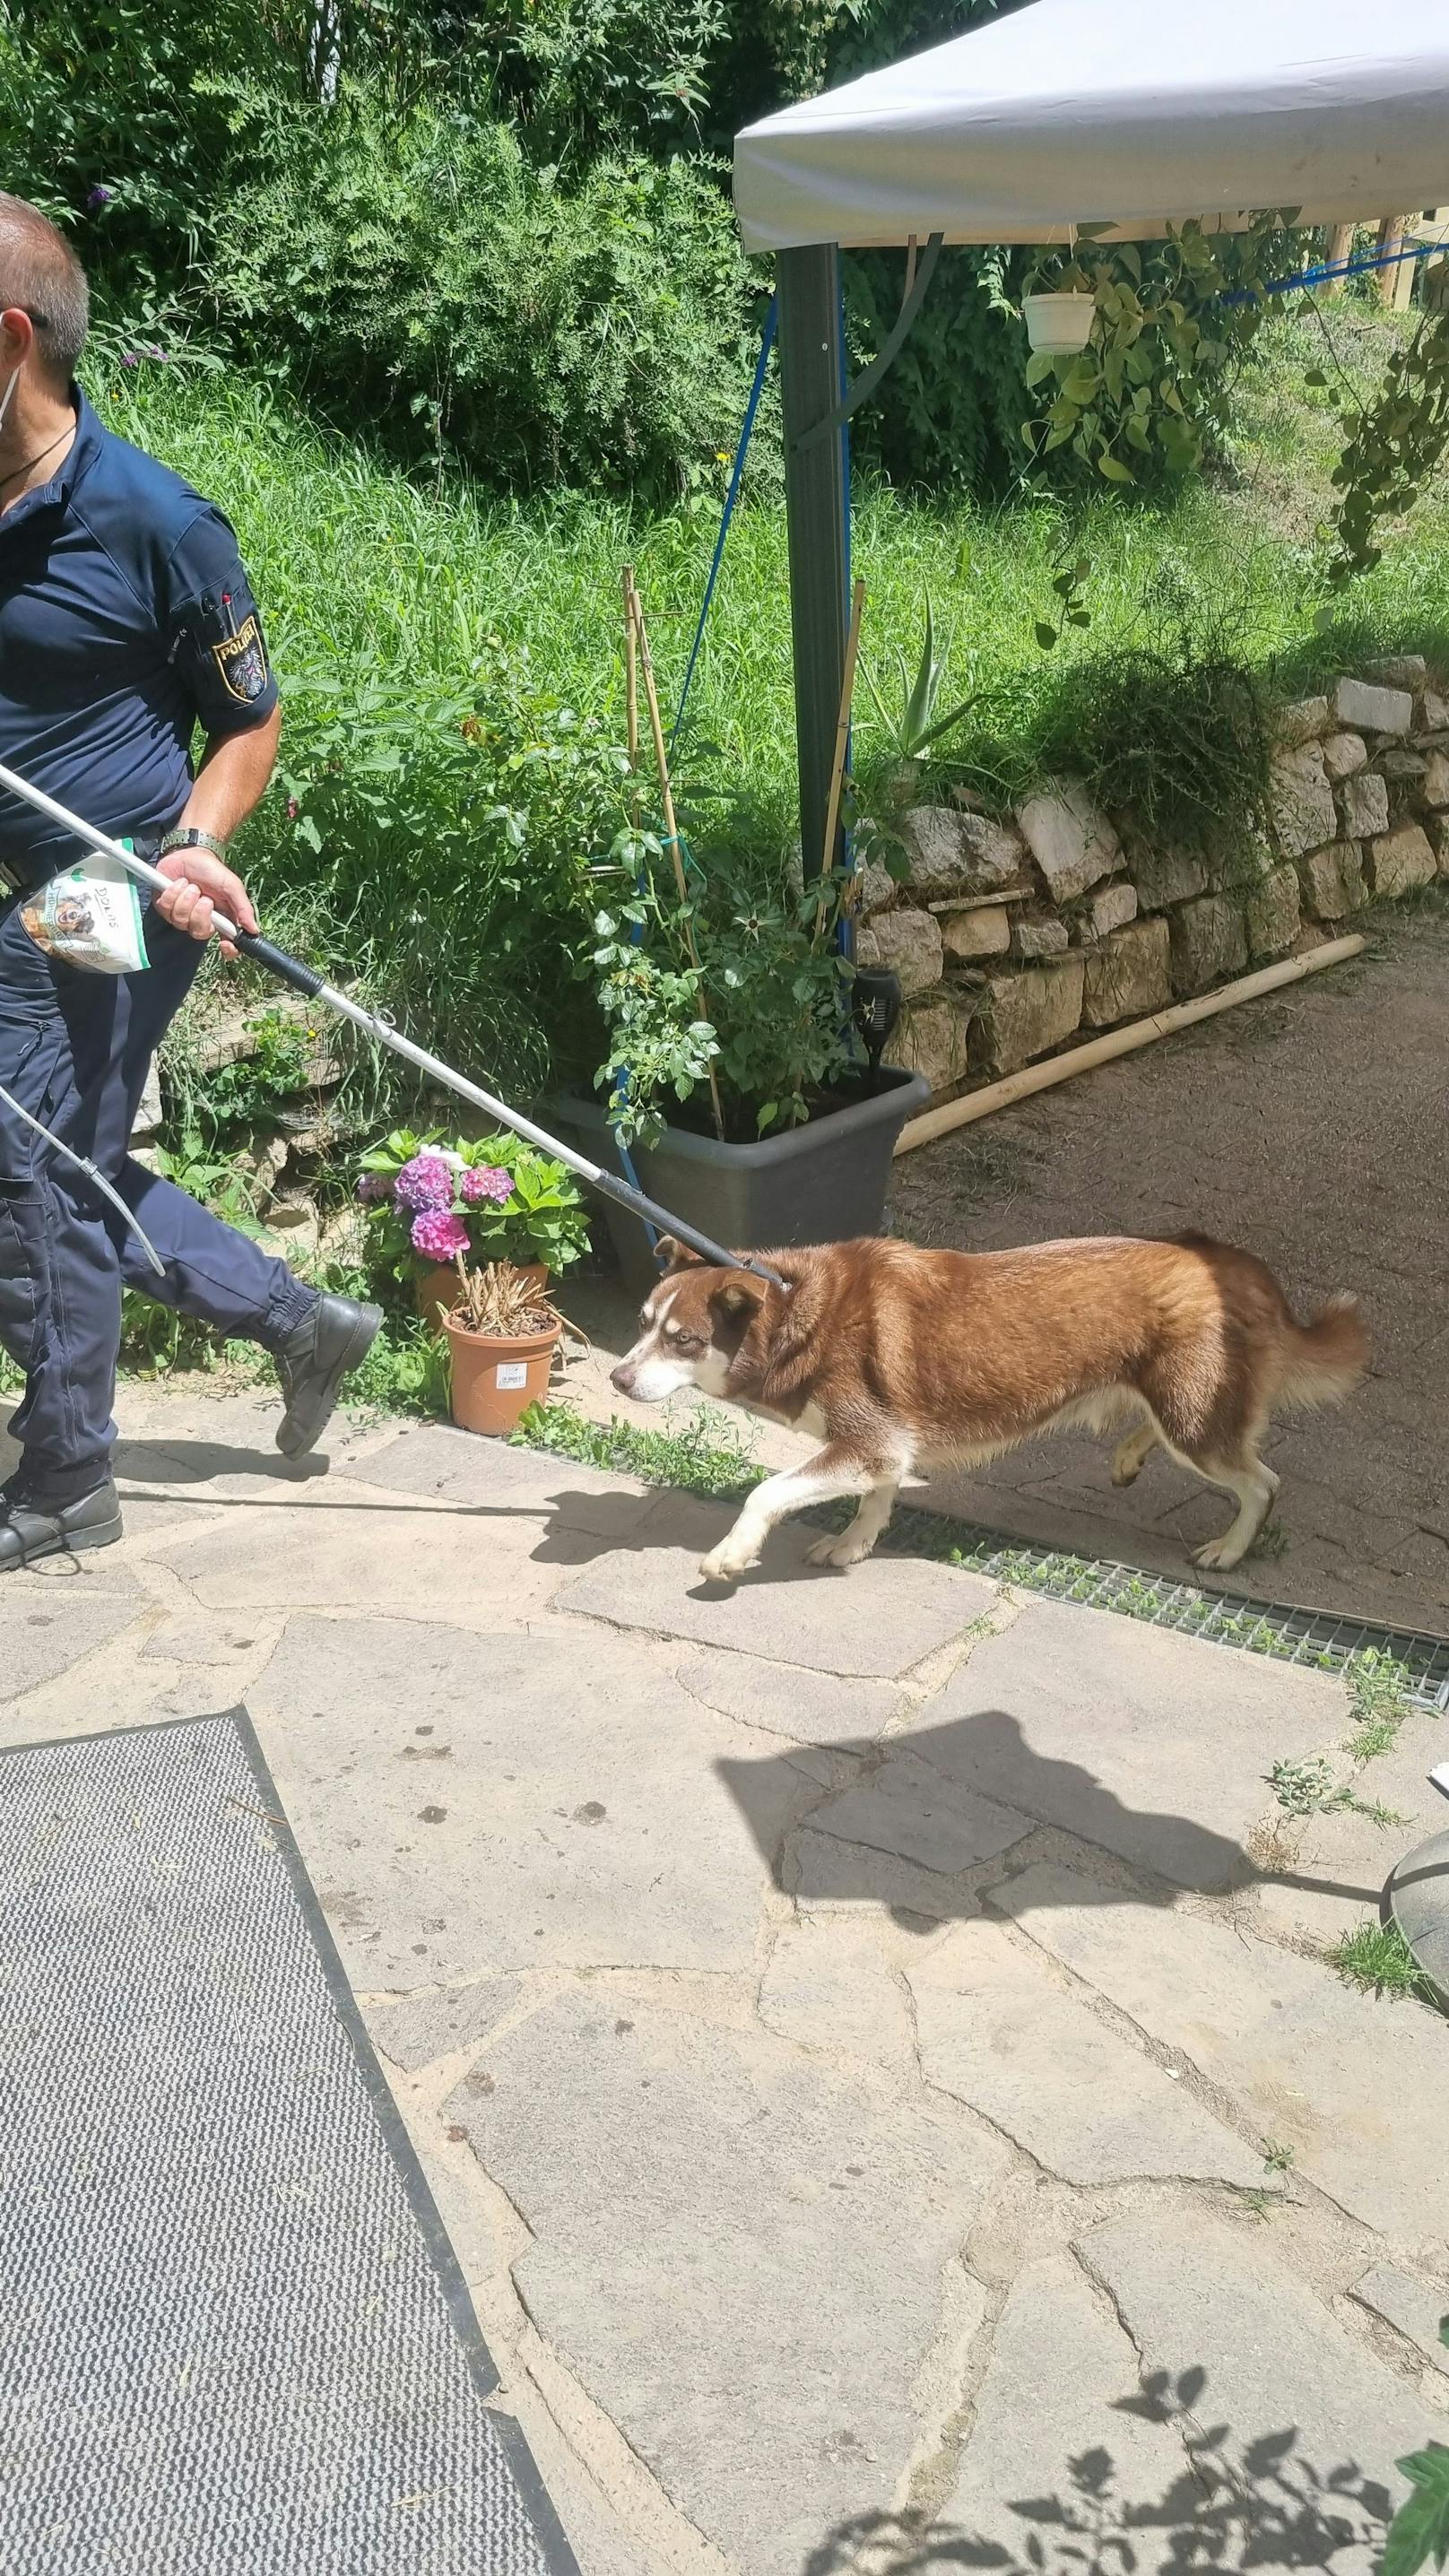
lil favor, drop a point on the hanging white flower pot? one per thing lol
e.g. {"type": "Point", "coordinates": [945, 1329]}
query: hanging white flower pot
{"type": "Point", "coordinates": [1059, 323]}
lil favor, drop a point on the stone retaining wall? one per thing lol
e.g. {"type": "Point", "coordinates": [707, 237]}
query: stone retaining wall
{"type": "Point", "coordinates": [1014, 936]}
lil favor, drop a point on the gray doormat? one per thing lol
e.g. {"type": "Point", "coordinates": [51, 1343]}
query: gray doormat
{"type": "Point", "coordinates": [233, 2334]}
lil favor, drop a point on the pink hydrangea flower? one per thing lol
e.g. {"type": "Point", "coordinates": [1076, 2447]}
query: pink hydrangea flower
{"type": "Point", "coordinates": [373, 1187]}
{"type": "Point", "coordinates": [439, 1234]}
{"type": "Point", "coordinates": [487, 1181]}
{"type": "Point", "coordinates": [425, 1182]}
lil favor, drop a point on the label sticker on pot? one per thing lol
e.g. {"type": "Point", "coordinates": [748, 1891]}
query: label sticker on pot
{"type": "Point", "coordinates": [511, 1373]}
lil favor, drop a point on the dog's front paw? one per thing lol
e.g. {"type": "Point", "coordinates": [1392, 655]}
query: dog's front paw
{"type": "Point", "coordinates": [1218, 1556]}
{"type": "Point", "coordinates": [725, 1564]}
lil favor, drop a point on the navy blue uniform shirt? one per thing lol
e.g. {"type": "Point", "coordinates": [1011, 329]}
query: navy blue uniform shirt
{"type": "Point", "coordinates": [125, 619]}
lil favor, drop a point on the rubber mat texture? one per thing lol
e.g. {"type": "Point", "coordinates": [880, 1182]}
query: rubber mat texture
{"type": "Point", "coordinates": [232, 2331]}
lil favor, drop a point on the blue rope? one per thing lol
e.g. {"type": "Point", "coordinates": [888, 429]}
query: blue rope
{"type": "Point", "coordinates": [1337, 268]}
{"type": "Point", "coordinates": [767, 342]}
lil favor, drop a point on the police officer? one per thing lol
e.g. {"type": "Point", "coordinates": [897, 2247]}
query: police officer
{"type": "Point", "coordinates": [126, 620]}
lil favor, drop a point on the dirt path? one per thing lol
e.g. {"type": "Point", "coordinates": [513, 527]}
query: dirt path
{"type": "Point", "coordinates": [1312, 1128]}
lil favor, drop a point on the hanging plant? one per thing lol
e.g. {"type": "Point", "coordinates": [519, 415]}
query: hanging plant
{"type": "Point", "coordinates": [1394, 445]}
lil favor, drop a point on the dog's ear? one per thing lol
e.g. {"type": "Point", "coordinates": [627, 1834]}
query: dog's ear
{"type": "Point", "coordinates": [739, 1298]}
{"type": "Point", "coordinates": [671, 1254]}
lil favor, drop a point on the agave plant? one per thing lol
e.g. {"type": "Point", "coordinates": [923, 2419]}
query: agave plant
{"type": "Point", "coordinates": [911, 730]}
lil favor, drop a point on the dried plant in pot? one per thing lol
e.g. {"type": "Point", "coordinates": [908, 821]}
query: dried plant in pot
{"type": "Point", "coordinates": [502, 1335]}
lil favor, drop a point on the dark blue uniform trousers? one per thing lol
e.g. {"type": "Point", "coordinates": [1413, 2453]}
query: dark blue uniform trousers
{"type": "Point", "coordinates": [74, 1050]}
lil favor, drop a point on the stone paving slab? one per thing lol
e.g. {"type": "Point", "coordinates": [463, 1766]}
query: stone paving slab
{"type": "Point", "coordinates": [198, 1639]}
{"type": "Point", "coordinates": [784, 1699]}
{"type": "Point", "coordinates": [461, 1467]}
{"type": "Point", "coordinates": [905, 1807]}
{"type": "Point", "coordinates": [741, 2257]}
{"type": "Point", "coordinates": [829, 1984]}
{"type": "Point", "coordinates": [1324, 2071]}
{"type": "Point", "coordinates": [1417, 2308]}
{"type": "Point", "coordinates": [1060, 2367]}
{"type": "Point", "coordinates": [49, 1622]}
{"type": "Point", "coordinates": [875, 1619]}
{"type": "Point", "coordinates": [420, 2028]}
{"type": "Point", "coordinates": [1153, 1745]}
{"type": "Point", "coordinates": [998, 2033]}
{"type": "Point", "coordinates": [1198, 2294]}
{"type": "Point", "coordinates": [474, 1804]}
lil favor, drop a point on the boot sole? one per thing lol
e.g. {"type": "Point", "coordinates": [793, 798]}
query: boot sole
{"type": "Point", "coordinates": [359, 1342]}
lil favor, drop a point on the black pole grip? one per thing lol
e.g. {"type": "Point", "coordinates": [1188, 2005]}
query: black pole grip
{"type": "Point", "coordinates": [289, 970]}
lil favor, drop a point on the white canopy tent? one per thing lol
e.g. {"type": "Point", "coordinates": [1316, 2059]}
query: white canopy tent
{"type": "Point", "coordinates": [1131, 113]}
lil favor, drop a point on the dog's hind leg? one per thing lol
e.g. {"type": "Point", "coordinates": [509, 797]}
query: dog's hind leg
{"type": "Point", "coordinates": [856, 1541]}
{"type": "Point", "coordinates": [1131, 1455]}
{"type": "Point", "coordinates": [834, 1470]}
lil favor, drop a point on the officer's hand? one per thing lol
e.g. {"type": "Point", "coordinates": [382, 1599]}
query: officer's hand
{"type": "Point", "coordinates": [202, 886]}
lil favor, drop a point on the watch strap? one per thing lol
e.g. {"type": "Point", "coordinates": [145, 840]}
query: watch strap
{"type": "Point", "coordinates": [189, 837]}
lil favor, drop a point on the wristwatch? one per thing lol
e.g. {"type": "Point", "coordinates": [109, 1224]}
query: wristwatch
{"type": "Point", "coordinates": [187, 837]}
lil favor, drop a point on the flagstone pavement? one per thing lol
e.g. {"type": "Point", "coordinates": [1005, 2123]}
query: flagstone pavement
{"type": "Point", "coordinates": [868, 2034]}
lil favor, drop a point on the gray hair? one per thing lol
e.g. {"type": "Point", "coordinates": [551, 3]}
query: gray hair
{"type": "Point", "coordinates": [41, 274]}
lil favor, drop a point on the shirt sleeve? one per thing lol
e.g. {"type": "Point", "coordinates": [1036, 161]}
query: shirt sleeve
{"type": "Point", "coordinates": [216, 639]}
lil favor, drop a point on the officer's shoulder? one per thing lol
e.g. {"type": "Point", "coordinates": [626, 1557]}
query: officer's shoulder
{"type": "Point", "coordinates": [139, 494]}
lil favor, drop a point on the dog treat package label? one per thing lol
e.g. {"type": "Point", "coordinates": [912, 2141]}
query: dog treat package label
{"type": "Point", "coordinates": [89, 917]}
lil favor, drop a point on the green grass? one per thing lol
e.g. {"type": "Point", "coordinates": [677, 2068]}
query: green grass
{"type": "Point", "coordinates": [692, 1456]}
{"type": "Point", "coordinates": [1378, 1697]}
{"type": "Point", "coordinates": [357, 564]}
{"type": "Point", "coordinates": [1378, 1960]}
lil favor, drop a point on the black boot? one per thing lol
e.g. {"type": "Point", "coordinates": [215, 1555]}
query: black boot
{"type": "Point", "coordinates": [30, 1530]}
{"type": "Point", "coordinates": [312, 1363]}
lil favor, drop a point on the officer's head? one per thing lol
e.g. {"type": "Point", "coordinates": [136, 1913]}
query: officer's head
{"type": "Point", "coordinates": [44, 299]}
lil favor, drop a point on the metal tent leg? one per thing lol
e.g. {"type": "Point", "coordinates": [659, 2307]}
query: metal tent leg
{"type": "Point", "coordinates": [815, 505]}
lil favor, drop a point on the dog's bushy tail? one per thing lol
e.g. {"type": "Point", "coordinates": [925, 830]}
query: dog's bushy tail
{"type": "Point", "coordinates": [1323, 1361]}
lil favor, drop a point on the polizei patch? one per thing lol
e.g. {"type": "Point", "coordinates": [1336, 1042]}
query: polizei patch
{"type": "Point", "coordinates": [241, 660]}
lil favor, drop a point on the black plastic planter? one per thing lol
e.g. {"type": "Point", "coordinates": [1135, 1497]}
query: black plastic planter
{"type": "Point", "coordinates": [814, 1184]}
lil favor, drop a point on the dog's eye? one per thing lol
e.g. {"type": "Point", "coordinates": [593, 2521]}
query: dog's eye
{"type": "Point", "coordinates": [688, 1342]}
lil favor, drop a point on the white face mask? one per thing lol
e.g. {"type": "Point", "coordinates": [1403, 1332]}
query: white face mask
{"type": "Point", "coordinates": [9, 390]}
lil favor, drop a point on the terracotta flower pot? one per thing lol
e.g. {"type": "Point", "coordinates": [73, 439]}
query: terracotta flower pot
{"type": "Point", "coordinates": [435, 1286]}
{"type": "Point", "coordinates": [497, 1376]}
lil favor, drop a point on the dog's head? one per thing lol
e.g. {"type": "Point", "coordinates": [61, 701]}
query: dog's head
{"type": "Point", "coordinates": [690, 1328]}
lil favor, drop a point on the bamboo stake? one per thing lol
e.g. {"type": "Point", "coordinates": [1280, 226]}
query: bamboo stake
{"type": "Point", "coordinates": [666, 795]}
{"type": "Point", "coordinates": [1340, 248]}
{"type": "Point", "coordinates": [1139, 1033]}
{"type": "Point", "coordinates": [1391, 238]}
{"type": "Point", "coordinates": [842, 738]}
{"type": "Point", "coordinates": [631, 689]}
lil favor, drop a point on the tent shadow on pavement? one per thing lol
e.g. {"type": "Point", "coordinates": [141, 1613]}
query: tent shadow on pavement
{"type": "Point", "coordinates": [966, 1765]}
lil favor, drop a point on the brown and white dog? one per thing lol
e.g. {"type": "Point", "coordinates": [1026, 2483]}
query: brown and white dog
{"type": "Point", "coordinates": [903, 1359]}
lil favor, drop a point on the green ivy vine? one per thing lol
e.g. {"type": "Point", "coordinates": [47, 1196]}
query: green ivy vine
{"type": "Point", "coordinates": [1393, 445]}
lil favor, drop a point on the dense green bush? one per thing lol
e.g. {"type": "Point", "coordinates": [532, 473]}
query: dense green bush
{"type": "Point", "coordinates": [424, 273]}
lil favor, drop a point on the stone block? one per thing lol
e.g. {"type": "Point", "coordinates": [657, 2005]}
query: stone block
{"type": "Point", "coordinates": [1400, 765]}
{"type": "Point", "coordinates": [1332, 881]}
{"type": "Point", "coordinates": [1070, 839]}
{"type": "Point", "coordinates": [1307, 2413]}
{"type": "Point", "coordinates": [740, 2257]}
{"type": "Point", "coordinates": [1436, 778]}
{"type": "Point", "coordinates": [1398, 671]}
{"type": "Point", "coordinates": [1040, 937]}
{"type": "Point", "coordinates": [1363, 806]}
{"type": "Point", "coordinates": [1167, 876]}
{"type": "Point", "coordinates": [951, 852]}
{"type": "Point", "coordinates": [909, 941]}
{"type": "Point", "coordinates": [1074, 1719]}
{"type": "Point", "coordinates": [983, 931]}
{"type": "Point", "coordinates": [1060, 2403]}
{"type": "Point", "coordinates": [877, 888]}
{"type": "Point", "coordinates": [148, 1113]}
{"type": "Point", "coordinates": [1302, 722]}
{"type": "Point", "coordinates": [1439, 833]}
{"type": "Point", "coordinates": [1434, 712]}
{"type": "Point", "coordinates": [1273, 913]}
{"type": "Point", "coordinates": [1025, 1015]}
{"type": "Point", "coordinates": [1400, 861]}
{"type": "Point", "coordinates": [1344, 754]}
{"type": "Point", "coordinates": [1129, 975]}
{"type": "Point", "coordinates": [995, 2030]}
{"type": "Point", "coordinates": [1209, 943]}
{"type": "Point", "coordinates": [1113, 906]}
{"type": "Point", "coordinates": [1353, 2091]}
{"type": "Point", "coordinates": [931, 1038]}
{"type": "Point", "coordinates": [1301, 800]}
{"type": "Point", "coordinates": [1370, 709]}
{"type": "Point", "coordinates": [1415, 2308]}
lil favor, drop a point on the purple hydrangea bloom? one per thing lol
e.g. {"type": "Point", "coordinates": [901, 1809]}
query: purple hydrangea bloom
{"type": "Point", "coordinates": [425, 1182]}
{"type": "Point", "coordinates": [439, 1234]}
{"type": "Point", "coordinates": [372, 1187]}
{"type": "Point", "coordinates": [487, 1181]}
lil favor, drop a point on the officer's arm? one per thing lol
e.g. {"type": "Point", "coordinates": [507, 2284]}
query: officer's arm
{"type": "Point", "coordinates": [221, 655]}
